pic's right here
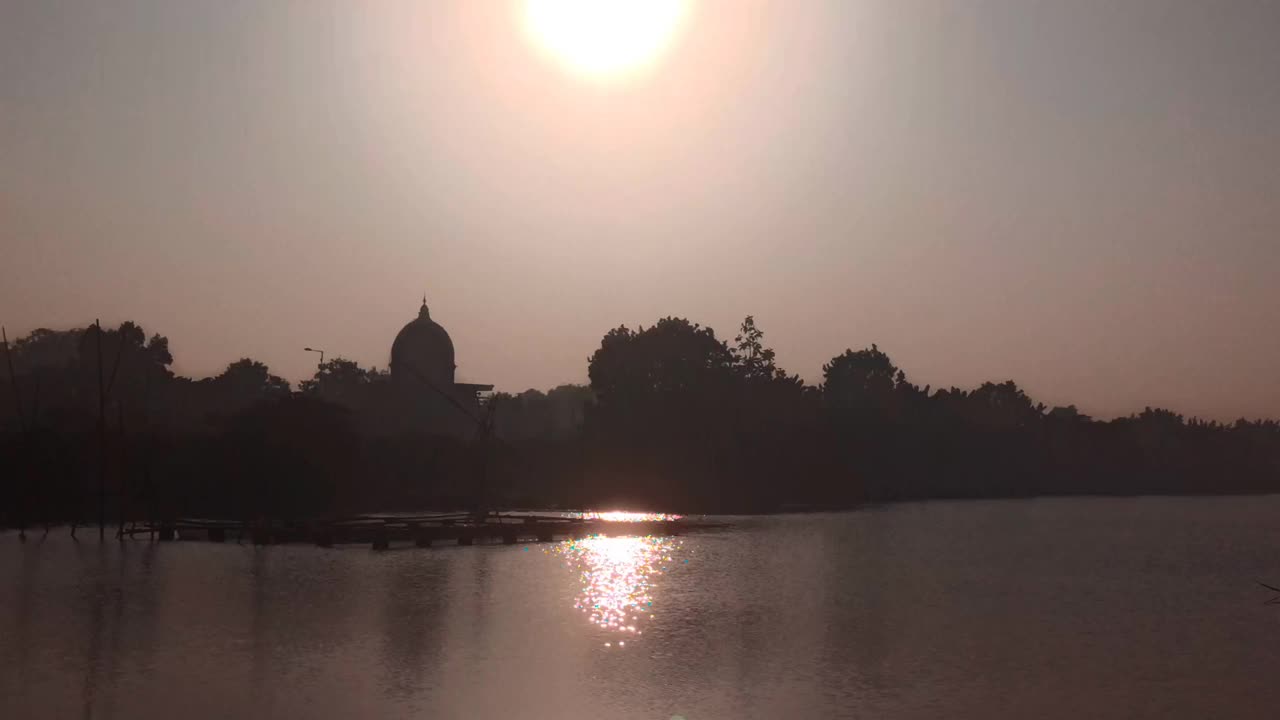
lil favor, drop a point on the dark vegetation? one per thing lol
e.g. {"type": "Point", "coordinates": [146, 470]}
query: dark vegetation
{"type": "Point", "coordinates": [674, 418]}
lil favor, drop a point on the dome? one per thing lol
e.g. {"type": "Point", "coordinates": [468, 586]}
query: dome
{"type": "Point", "coordinates": [423, 346]}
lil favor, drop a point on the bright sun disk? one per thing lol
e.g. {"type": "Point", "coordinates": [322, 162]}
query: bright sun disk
{"type": "Point", "coordinates": [604, 37]}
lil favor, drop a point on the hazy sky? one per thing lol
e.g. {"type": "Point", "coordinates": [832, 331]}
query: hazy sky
{"type": "Point", "coordinates": [1081, 195]}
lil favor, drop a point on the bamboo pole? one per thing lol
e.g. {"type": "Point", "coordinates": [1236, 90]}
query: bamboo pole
{"type": "Point", "coordinates": [486, 434]}
{"type": "Point", "coordinates": [13, 382]}
{"type": "Point", "coordinates": [102, 440]}
{"type": "Point", "coordinates": [22, 425]}
{"type": "Point", "coordinates": [124, 470]}
{"type": "Point", "coordinates": [484, 427]}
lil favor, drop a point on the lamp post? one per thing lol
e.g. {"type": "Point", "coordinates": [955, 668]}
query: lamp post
{"type": "Point", "coordinates": [316, 351]}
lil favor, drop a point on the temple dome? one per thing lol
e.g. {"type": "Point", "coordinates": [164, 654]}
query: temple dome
{"type": "Point", "coordinates": [424, 346]}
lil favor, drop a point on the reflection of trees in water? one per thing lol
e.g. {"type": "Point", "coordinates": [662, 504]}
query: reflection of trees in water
{"type": "Point", "coordinates": [757, 617]}
{"type": "Point", "coordinates": [783, 590]}
{"type": "Point", "coordinates": [260, 625]}
{"type": "Point", "coordinates": [479, 563]}
{"type": "Point", "coordinates": [855, 605]}
{"type": "Point", "coordinates": [416, 601]}
{"type": "Point", "coordinates": [19, 667]}
{"type": "Point", "coordinates": [754, 631]}
{"type": "Point", "coordinates": [314, 612]}
{"type": "Point", "coordinates": [145, 601]}
{"type": "Point", "coordinates": [294, 614]}
{"type": "Point", "coordinates": [97, 600]}
{"type": "Point", "coordinates": [108, 596]}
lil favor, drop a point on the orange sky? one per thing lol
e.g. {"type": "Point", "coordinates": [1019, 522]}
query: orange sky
{"type": "Point", "coordinates": [1081, 196]}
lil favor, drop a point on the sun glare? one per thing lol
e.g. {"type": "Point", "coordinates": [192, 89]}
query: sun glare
{"type": "Point", "coordinates": [623, 516]}
{"type": "Point", "coordinates": [605, 38]}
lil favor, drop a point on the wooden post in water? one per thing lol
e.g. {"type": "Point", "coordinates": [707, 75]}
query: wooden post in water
{"type": "Point", "coordinates": [421, 535]}
{"type": "Point", "coordinates": [124, 472]}
{"type": "Point", "coordinates": [381, 538]}
{"type": "Point", "coordinates": [260, 534]}
{"type": "Point", "coordinates": [323, 535]}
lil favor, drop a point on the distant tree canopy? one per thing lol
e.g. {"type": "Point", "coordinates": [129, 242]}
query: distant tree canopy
{"type": "Point", "coordinates": [251, 379]}
{"type": "Point", "coordinates": [294, 455]}
{"type": "Point", "coordinates": [673, 418]}
{"type": "Point", "coordinates": [859, 380]}
{"type": "Point", "coordinates": [336, 378]}
{"type": "Point", "coordinates": [675, 398]}
{"type": "Point", "coordinates": [61, 373]}
{"type": "Point", "coordinates": [672, 361]}
{"type": "Point", "coordinates": [536, 416]}
{"type": "Point", "coordinates": [243, 384]}
{"type": "Point", "coordinates": [46, 349]}
{"type": "Point", "coordinates": [694, 422]}
{"type": "Point", "coordinates": [125, 348]}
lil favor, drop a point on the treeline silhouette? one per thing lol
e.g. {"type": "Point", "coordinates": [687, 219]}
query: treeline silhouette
{"type": "Point", "coordinates": [95, 421]}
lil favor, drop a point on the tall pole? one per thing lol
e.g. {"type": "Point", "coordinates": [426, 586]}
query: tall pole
{"type": "Point", "coordinates": [484, 468]}
{"type": "Point", "coordinates": [486, 433]}
{"type": "Point", "coordinates": [484, 427]}
{"type": "Point", "coordinates": [102, 440]}
{"type": "Point", "coordinates": [13, 382]}
{"type": "Point", "coordinates": [124, 470]}
{"type": "Point", "coordinates": [19, 494]}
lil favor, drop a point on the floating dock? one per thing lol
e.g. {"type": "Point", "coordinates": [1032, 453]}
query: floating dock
{"type": "Point", "coordinates": [380, 532]}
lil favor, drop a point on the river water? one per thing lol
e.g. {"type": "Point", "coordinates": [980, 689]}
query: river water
{"type": "Point", "coordinates": [1053, 608]}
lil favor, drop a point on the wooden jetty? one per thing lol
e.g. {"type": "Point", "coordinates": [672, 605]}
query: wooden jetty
{"type": "Point", "coordinates": [380, 532]}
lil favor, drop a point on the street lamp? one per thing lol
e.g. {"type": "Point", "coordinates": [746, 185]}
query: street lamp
{"type": "Point", "coordinates": [316, 351]}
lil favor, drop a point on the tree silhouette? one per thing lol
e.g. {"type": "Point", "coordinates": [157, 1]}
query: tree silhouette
{"type": "Point", "coordinates": [290, 456]}
{"type": "Point", "coordinates": [862, 380]}
{"type": "Point", "coordinates": [251, 380]}
{"type": "Point", "coordinates": [337, 380]}
{"type": "Point", "coordinates": [675, 360]}
{"type": "Point", "coordinates": [752, 360]}
{"type": "Point", "coordinates": [1002, 405]}
{"type": "Point", "coordinates": [673, 418]}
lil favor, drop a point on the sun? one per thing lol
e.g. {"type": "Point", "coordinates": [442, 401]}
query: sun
{"type": "Point", "coordinates": [605, 38]}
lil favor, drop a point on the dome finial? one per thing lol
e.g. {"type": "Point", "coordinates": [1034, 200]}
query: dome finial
{"type": "Point", "coordinates": [423, 312]}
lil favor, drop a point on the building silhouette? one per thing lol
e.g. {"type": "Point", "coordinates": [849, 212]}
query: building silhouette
{"type": "Point", "coordinates": [423, 373]}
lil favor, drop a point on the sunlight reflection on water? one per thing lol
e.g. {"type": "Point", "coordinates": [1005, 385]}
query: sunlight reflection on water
{"type": "Point", "coordinates": [625, 516]}
{"type": "Point", "coordinates": [617, 576]}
